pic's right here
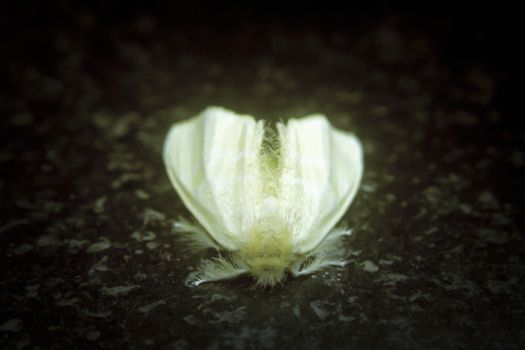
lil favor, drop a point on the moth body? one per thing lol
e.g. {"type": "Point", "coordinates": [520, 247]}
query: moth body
{"type": "Point", "coordinates": [266, 201]}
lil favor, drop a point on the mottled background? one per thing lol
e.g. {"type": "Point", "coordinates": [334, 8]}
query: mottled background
{"type": "Point", "coordinates": [88, 92]}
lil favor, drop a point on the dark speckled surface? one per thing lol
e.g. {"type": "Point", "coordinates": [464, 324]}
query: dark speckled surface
{"type": "Point", "coordinates": [89, 259]}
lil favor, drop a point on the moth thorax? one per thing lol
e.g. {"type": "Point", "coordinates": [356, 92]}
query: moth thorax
{"type": "Point", "coordinates": [268, 251]}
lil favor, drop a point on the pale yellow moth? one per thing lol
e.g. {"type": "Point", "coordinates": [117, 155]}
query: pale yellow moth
{"type": "Point", "coordinates": [266, 200]}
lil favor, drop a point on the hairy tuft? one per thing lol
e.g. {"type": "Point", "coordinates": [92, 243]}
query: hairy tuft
{"type": "Point", "coordinates": [195, 235]}
{"type": "Point", "coordinates": [219, 268]}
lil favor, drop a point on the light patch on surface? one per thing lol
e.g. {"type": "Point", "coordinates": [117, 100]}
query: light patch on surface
{"type": "Point", "coordinates": [118, 290]}
{"type": "Point", "coordinates": [13, 325]}
{"type": "Point", "coordinates": [319, 309]}
{"type": "Point", "coordinates": [99, 246]}
{"type": "Point", "coordinates": [149, 307]}
{"type": "Point", "coordinates": [370, 266]}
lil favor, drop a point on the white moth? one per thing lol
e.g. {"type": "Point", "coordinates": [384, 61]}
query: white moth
{"type": "Point", "coordinates": [267, 201]}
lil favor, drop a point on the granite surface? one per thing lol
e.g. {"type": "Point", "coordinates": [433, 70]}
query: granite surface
{"type": "Point", "coordinates": [89, 256]}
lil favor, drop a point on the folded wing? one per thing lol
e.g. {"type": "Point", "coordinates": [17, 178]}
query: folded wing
{"type": "Point", "coordinates": [321, 168]}
{"type": "Point", "coordinates": [213, 162]}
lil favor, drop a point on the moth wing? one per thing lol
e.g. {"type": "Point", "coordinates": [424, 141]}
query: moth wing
{"type": "Point", "coordinates": [212, 161]}
{"type": "Point", "coordinates": [321, 169]}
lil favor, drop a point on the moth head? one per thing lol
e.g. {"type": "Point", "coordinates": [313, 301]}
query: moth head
{"type": "Point", "coordinates": [268, 270]}
{"type": "Point", "coordinates": [268, 253]}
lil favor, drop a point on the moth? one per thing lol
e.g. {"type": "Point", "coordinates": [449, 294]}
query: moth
{"type": "Point", "coordinates": [266, 200]}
